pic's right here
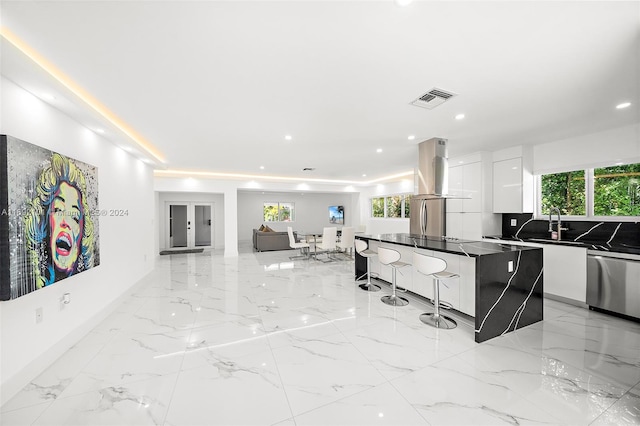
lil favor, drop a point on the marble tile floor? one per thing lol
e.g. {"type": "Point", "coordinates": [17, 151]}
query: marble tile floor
{"type": "Point", "coordinates": [263, 340]}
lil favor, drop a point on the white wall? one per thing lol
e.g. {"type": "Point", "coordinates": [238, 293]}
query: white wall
{"type": "Point", "coordinates": [311, 211]}
{"type": "Point", "coordinates": [218, 214]}
{"type": "Point", "coordinates": [600, 149]}
{"type": "Point", "coordinates": [126, 242]}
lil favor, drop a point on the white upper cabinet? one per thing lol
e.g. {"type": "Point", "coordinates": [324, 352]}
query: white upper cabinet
{"type": "Point", "coordinates": [471, 217]}
{"type": "Point", "coordinates": [513, 181]}
{"type": "Point", "coordinates": [455, 189]}
{"type": "Point", "coordinates": [507, 186]}
{"type": "Point", "coordinates": [472, 187]}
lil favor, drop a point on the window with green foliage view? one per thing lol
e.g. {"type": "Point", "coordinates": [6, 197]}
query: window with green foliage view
{"type": "Point", "coordinates": [407, 206]}
{"type": "Point", "coordinates": [616, 190]}
{"type": "Point", "coordinates": [565, 191]}
{"type": "Point", "coordinates": [278, 212]}
{"type": "Point", "coordinates": [613, 191]}
{"type": "Point", "coordinates": [394, 206]}
{"type": "Point", "coordinates": [377, 207]}
{"type": "Point", "coordinates": [391, 207]}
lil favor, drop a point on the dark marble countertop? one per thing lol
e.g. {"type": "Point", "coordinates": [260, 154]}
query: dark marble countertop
{"type": "Point", "coordinates": [447, 245]}
{"type": "Point", "coordinates": [590, 245]}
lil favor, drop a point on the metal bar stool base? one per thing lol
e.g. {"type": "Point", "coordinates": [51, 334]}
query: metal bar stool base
{"type": "Point", "coordinates": [394, 300]}
{"type": "Point", "coordinates": [369, 287]}
{"type": "Point", "coordinates": [440, 321]}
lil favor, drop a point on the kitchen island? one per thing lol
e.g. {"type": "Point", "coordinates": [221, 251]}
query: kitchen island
{"type": "Point", "coordinates": [500, 285]}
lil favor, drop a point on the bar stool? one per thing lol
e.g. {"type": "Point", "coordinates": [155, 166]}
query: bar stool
{"type": "Point", "coordinates": [391, 258]}
{"type": "Point", "coordinates": [362, 248]}
{"type": "Point", "coordinates": [435, 268]}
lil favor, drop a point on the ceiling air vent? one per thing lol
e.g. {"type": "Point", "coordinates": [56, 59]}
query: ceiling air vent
{"type": "Point", "coordinates": [308, 169]}
{"type": "Point", "coordinates": [433, 98]}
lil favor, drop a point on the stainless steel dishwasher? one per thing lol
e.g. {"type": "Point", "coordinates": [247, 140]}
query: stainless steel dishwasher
{"type": "Point", "coordinates": [613, 282]}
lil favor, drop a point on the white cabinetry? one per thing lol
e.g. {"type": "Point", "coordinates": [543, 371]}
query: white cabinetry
{"type": "Point", "coordinates": [513, 181]}
{"type": "Point", "coordinates": [468, 285]}
{"type": "Point", "coordinates": [565, 272]}
{"type": "Point", "coordinates": [471, 217]}
{"type": "Point", "coordinates": [455, 189]}
{"type": "Point", "coordinates": [468, 226]}
{"type": "Point", "coordinates": [472, 180]}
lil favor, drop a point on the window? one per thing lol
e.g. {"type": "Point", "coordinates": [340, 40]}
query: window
{"type": "Point", "coordinates": [377, 207]}
{"type": "Point", "coordinates": [604, 192]}
{"type": "Point", "coordinates": [565, 191]}
{"type": "Point", "coordinates": [278, 212]}
{"type": "Point", "coordinates": [391, 206]}
{"type": "Point", "coordinates": [394, 206]}
{"type": "Point", "coordinates": [616, 190]}
{"type": "Point", "coordinates": [407, 206]}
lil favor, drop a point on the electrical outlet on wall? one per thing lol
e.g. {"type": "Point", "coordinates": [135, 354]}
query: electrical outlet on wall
{"type": "Point", "coordinates": [510, 266]}
{"type": "Point", "coordinates": [38, 315]}
{"type": "Point", "coordinates": [514, 222]}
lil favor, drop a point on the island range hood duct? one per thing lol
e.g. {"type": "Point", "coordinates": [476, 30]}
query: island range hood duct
{"type": "Point", "coordinates": [428, 207]}
{"type": "Point", "coordinates": [433, 168]}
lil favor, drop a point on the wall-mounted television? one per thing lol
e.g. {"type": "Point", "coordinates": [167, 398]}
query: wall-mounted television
{"type": "Point", "coordinates": [336, 215]}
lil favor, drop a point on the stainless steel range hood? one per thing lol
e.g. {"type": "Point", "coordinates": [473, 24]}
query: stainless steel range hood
{"type": "Point", "coordinates": [433, 169]}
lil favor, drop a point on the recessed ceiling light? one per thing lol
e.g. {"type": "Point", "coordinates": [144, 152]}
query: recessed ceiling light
{"type": "Point", "coordinates": [411, 137]}
{"type": "Point", "coordinates": [459, 116]}
{"type": "Point", "coordinates": [101, 131]}
{"type": "Point", "coordinates": [261, 167]}
{"type": "Point", "coordinates": [48, 97]}
{"type": "Point", "coordinates": [288, 137]}
{"type": "Point", "coordinates": [363, 175]}
{"type": "Point", "coordinates": [379, 150]}
{"type": "Point", "coordinates": [623, 105]}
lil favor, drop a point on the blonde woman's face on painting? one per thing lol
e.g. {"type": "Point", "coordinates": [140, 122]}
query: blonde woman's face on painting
{"type": "Point", "coordinates": [65, 226]}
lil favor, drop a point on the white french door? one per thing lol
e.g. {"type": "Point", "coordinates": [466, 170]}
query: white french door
{"type": "Point", "coordinates": [189, 224]}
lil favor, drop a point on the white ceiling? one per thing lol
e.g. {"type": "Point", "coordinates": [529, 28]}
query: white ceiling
{"type": "Point", "coordinates": [216, 85]}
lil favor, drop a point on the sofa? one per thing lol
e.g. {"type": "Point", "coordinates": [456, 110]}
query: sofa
{"type": "Point", "coordinates": [265, 241]}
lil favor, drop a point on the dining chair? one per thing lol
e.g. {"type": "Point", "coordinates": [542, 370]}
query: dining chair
{"type": "Point", "coordinates": [302, 245]}
{"type": "Point", "coordinates": [347, 239]}
{"type": "Point", "coordinates": [328, 243]}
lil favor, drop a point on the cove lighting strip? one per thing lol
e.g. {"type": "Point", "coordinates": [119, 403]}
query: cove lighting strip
{"type": "Point", "coordinates": [80, 93]}
{"type": "Point", "coordinates": [192, 174]}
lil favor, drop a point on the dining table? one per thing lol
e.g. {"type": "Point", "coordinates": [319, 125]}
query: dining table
{"type": "Point", "coordinates": [307, 236]}
{"type": "Point", "coordinates": [317, 237]}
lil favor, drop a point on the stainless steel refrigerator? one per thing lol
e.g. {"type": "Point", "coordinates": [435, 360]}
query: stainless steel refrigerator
{"type": "Point", "coordinates": [428, 217]}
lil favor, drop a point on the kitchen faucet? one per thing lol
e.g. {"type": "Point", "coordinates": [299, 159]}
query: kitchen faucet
{"type": "Point", "coordinates": [559, 224]}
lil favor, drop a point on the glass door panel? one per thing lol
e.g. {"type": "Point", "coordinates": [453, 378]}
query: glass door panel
{"type": "Point", "coordinates": [202, 226]}
{"type": "Point", "coordinates": [178, 226]}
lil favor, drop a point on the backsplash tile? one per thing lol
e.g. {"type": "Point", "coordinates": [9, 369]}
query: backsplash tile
{"type": "Point", "coordinates": [625, 234]}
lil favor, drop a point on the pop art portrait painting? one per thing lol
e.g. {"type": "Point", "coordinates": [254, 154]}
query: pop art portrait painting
{"type": "Point", "coordinates": [47, 230]}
